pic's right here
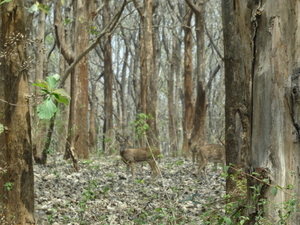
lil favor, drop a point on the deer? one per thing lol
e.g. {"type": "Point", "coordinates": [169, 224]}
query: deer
{"type": "Point", "coordinates": [206, 153]}
{"type": "Point", "coordinates": [132, 155]}
{"type": "Point", "coordinates": [210, 153]}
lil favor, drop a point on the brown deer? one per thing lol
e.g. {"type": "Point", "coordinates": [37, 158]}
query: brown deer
{"type": "Point", "coordinates": [210, 153]}
{"type": "Point", "coordinates": [132, 155]}
{"type": "Point", "coordinates": [206, 153]}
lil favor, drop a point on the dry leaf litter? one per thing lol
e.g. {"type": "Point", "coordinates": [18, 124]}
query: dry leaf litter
{"type": "Point", "coordinates": [100, 193]}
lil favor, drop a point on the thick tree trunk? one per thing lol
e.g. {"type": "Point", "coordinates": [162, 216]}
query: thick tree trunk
{"type": "Point", "coordinates": [17, 195]}
{"type": "Point", "coordinates": [262, 85]}
{"type": "Point", "coordinates": [79, 90]}
{"type": "Point", "coordinates": [148, 83]}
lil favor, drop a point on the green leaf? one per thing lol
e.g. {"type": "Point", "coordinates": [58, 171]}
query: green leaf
{"type": "Point", "coordinates": [51, 81]}
{"type": "Point", "coordinates": [228, 221]}
{"type": "Point", "coordinates": [56, 76]}
{"type": "Point", "coordinates": [45, 91]}
{"type": "Point", "coordinates": [62, 92]}
{"type": "Point", "coordinates": [33, 8]}
{"type": "Point", "coordinates": [41, 83]}
{"type": "Point", "coordinates": [47, 109]}
{"type": "Point", "coordinates": [5, 1]}
{"type": "Point", "coordinates": [274, 191]}
{"type": "Point", "coordinates": [67, 21]}
{"type": "Point", "coordinates": [1, 128]}
{"type": "Point", "coordinates": [44, 8]}
{"type": "Point", "coordinates": [61, 99]}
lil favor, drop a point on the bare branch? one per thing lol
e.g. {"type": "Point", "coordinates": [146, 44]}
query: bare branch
{"type": "Point", "coordinates": [108, 29]}
{"type": "Point", "coordinates": [213, 44]}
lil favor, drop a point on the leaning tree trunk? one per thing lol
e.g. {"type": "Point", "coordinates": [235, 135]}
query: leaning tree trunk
{"type": "Point", "coordinates": [17, 195]}
{"type": "Point", "coordinates": [262, 107]}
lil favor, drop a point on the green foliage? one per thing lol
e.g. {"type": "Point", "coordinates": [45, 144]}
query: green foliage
{"type": "Point", "coordinates": [89, 194]}
{"type": "Point", "coordinates": [8, 186]}
{"type": "Point", "coordinates": [37, 6]}
{"type": "Point", "coordinates": [234, 210]}
{"type": "Point", "coordinates": [140, 124]}
{"type": "Point", "coordinates": [4, 1]}
{"type": "Point", "coordinates": [50, 217]}
{"type": "Point", "coordinates": [1, 128]}
{"type": "Point", "coordinates": [48, 108]}
{"type": "Point", "coordinates": [139, 181]}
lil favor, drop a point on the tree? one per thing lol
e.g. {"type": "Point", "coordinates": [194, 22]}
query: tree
{"type": "Point", "coordinates": [262, 88]}
{"type": "Point", "coordinates": [149, 78]}
{"type": "Point", "coordinates": [17, 177]}
{"type": "Point", "coordinates": [108, 82]}
{"type": "Point", "coordinates": [199, 114]}
{"type": "Point", "coordinates": [188, 81]}
{"type": "Point", "coordinates": [84, 12]}
{"type": "Point", "coordinates": [39, 126]}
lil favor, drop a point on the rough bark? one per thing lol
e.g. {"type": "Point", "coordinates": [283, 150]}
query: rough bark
{"type": "Point", "coordinates": [79, 90]}
{"type": "Point", "coordinates": [108, 83]}
{"type": "Point", "coordinates": [199, 120]}
{"type": "Point", "coordinates": [261, 78]}
{"type": "Point", "coordinates": [148, 82]}
{"type": "Point", "coordinates": [188, 82]}
{"type": "Point", "coordinates": [40, 126]}
{"type": "Point", "coordinates": [17, 202]}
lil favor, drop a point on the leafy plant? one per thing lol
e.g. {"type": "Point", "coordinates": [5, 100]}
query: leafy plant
{"type": "Point", "coordinates": [48, 108]}
{"type": "Point", "coordinates": [37, 6]}
{"type": "Point", "coordinates": [4, 1]}
{"type": "Point", "coordinates": [8, 186]}
{"type": "Point", "coordinates": [140, 124]}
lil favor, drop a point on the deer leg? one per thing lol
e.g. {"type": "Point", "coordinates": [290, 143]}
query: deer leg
{"type": "Point", "coordinates": [154, 169]}
{"type": "Point", "coordinates": [132, 170]}
{"type": "Point", "coordinates": [200, 168]}
{"type": "Point", "coordinates": [215, 166]}
{"type": "Point", "coordinates": [193, 156]}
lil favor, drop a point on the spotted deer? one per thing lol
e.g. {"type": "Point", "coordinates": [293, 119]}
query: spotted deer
{"type": "Point", "coordinates": [132, 155]}
{"type": "Point", "coordinates": [210, 153]}
{"type": "Point", "coordinates": [206, 153]}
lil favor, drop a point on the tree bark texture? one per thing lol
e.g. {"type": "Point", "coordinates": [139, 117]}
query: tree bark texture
{"type": "Point", "coordinates": [18, 193]}
{"type": "Point", "coordinates": [79, 90]}
{"type": "Point", "coordinates": [108, 83]}
{"type": "Point", "coordinates": [198, 133]}
{"type": "Point", "coordinates": [262, 85]}
{"type": "Point", "coordinates": [188, 82]}
{"type": "Point", "coordinates": [39, 132]}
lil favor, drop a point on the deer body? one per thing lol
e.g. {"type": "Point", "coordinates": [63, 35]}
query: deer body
{"type": "Point", "coordinates": [210, 153]}
{"type": "Point", "coordinates": [132, 155]}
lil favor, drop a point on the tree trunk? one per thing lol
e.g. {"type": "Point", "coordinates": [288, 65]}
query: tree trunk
{"type": "Point", "coordinates": [39, 126]}
{"type": "Point", "coordinates": [172, 106]}
{"type": "Point", "coordinates": [79, 90]}
{"type": "Point", "coordinates": [262, 85]}
{"type": "Point", "coordinates": [199, 119]}
{"type": "Point", "coordinates": [17, 195]}
{"type": "Point", "coordinates": [188, 82]}
{"type": "Point", "coordinates": [108, 84]}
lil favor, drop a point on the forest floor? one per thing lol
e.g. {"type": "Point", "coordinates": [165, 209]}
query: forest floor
{"type": "Point", "coordinates": [100, 193]}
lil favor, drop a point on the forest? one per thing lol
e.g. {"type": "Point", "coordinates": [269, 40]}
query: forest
{"type": "Point", "coordinates": [88, 88]}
